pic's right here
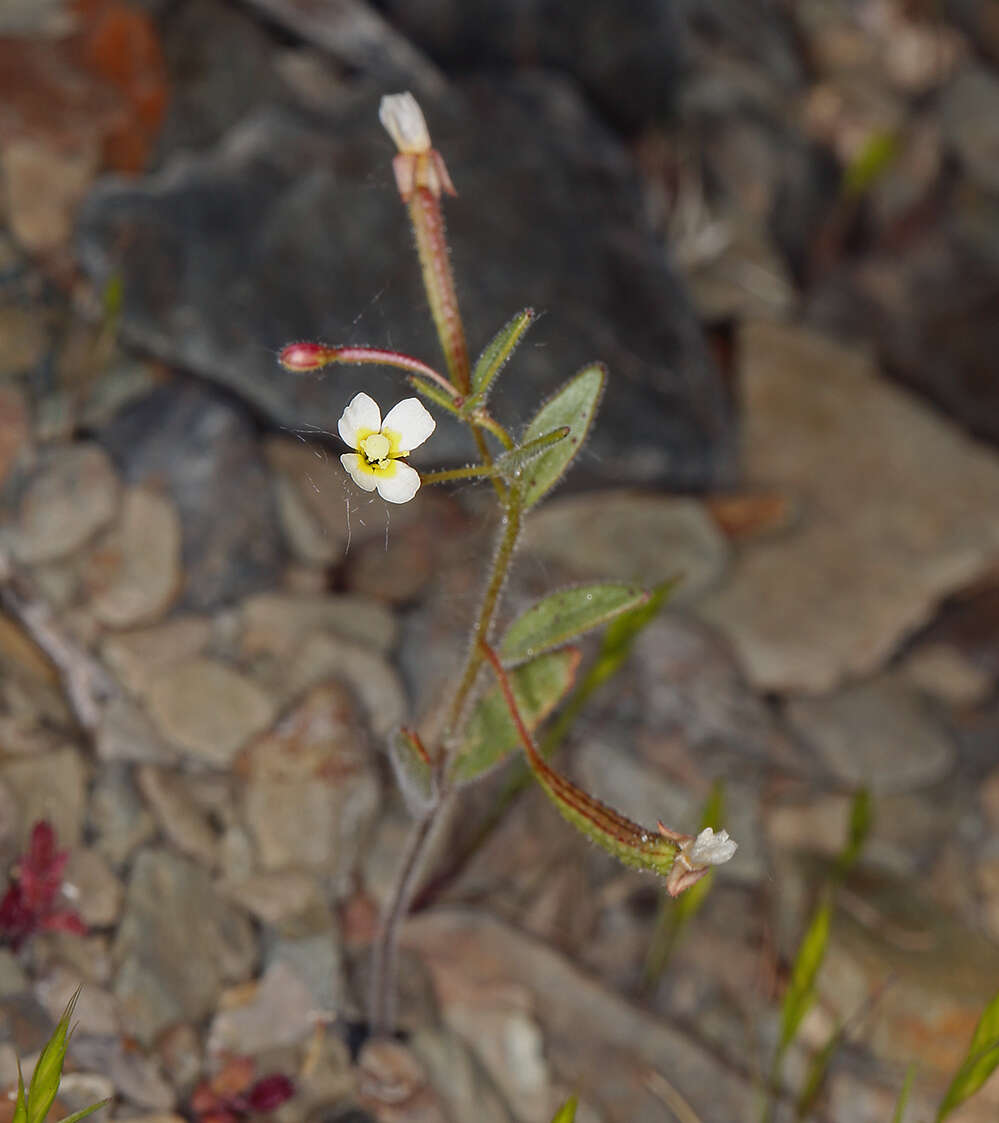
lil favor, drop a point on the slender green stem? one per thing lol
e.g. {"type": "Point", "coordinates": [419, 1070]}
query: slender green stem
{"type": "Point", "coordinates": [484, 421]}
{"type": "Point", "coordinates": [472, 472]}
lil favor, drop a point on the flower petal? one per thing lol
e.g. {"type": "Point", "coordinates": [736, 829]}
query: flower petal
{"type": "Point", "coordinates": [362, 414]}
{"type": "Point", "coordinates": [403, 120]}
{"type": "Point", "coordinates": [710, 849]}
{"type": "Point", "coordinates": [401, 486]}
{"type": "Point", "coordinates": [411, 421]}
{"type": "Point", "coordinates": [352, 462]}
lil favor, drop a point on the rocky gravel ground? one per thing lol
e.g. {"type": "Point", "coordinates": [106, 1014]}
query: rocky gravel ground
{"type": "Point", "coordinates": [777, 224]}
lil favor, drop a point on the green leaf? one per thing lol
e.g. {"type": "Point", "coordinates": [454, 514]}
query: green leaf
{"type": "Point", "coordinates": [20, 1107]}
{"type": "Point", "coordinates": [490, 734]}
{"type": "Point", "coordinates": [48, 1071]}
{"type": "Point", "coordinates": [82, 1114]}
{"type": "Point", "coordinates": [801, 991]}
{"type": "Point", "coordinates": [981, 1061]}
{"type": "Point", "coordinates": [861, 821]}
{"type": "Point", "coordinates": [558, 618]}
{"type": "Point", "coordinates": [511, 464]}
{"type": "Point", "coordinates": [903, 1096]}
{"type": "Point", "coordinates": [432, 393]}
{"type": "Point", "coordinates": [575, 405]}
{"type": "Point", "coordinates": [567, 1112]}
{"type": "Point", "coordinates": [494, 357]}
{"type": "Point", "coordinates": [412, 769]}
{"type": "Point", "coordinates": [870, 164]}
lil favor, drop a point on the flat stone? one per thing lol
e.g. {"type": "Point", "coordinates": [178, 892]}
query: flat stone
{"type": "Point", "coordinates": [126, 733]}
{"type": "Point", "coordinates": [118, 819]}
{"type": "Point", "coordinates": [92, 887]}
{"type": "Point", "coordinates": [48, 786]}
{"type": "Point", "coordinates": [605, 284]}
{"type": "Point", "coordinates": [897, 510]}
{"type": "Point", "coordinates": [276, 898]}
{"type": "Point", "coordinates": [476, 961]}
{"type": "Point", "coordinates": [310, 791]}
{"type": "Point", "coordinates": [879, 734]}
{"type": "Point", "coordinates": [281, 1011]}
{"type": "Point", "coordinates": [70, 497]}
{"type": "Point", "coordinates": [945, 673]}
{"type": "Point", "coordinates": [25, 335]}
{"type": "Point", "coordinates": [624, 536]}
{"type": "Point", "coordinates": [308, 490]}
{"type": "Point", "coordinates": [276, 624]}
{"type": "Point", "coordinates": [208, 709]}
{"type": "Point", "coordinates": [139, 658]}
{"type": "Point", "coordinates": [178, 943]}
{"type": "Point", "coordinates": [45, 185]}
{"type": "Point", "coordinates": [202, 450]}
{"type": "Point", "coordinates": [169, 798]}
{"type": "Point", "coordinates": [135, 572]}
{"type": "Point", "coordinates": [317, 961]}
{"type": "Point", "coordinates": [95, 1010]}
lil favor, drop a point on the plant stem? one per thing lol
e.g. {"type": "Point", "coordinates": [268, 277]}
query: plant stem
{"type": "Point", "coordinates": [385, 956]}
{"type": "Point", "coordinates": [384, 963]}
{"type": "Point", "coordinates": [474, 471]}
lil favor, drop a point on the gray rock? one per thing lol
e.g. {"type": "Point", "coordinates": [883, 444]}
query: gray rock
{"type": "Point", "coordinates": [969, 112]}
{"type": "Point", "coordinates": [13, 980]}
{"type": "Point", "coordinates": [209, 710]}
{"type": "Point", "coordinates": [276, 624]}
{"type": "Point", "coordinates": [897, 510]}
{"type": "Point", "coordinates": [623, 536]}
{"type": "Point", "coordinates": [880, 734]}
{"type": "Point", "coordinates": [139, 657]}
{"type": "Point", "coordinates": [119, 821]}
{"type": "Point", "coordinates": [311, 793]}
{"type": "Point", "coordinates": [317, 962]}
{"type": "Point", "coordinates": [178, 943]}
{"type": "Point", "coordinates": [202, 449]}
{"type": "Point", "coordinates": [280, 1012]}
{"type": "Point", "coordinates": [72, 494]}
{"type": "Point", "coordinates": [93, 888]}
{"type": "Point", "coordinates": [547, 196]}
{"type": "Point", "coordinates": [49, 786]}
{"type": "Point", "coordinates": [170, 800]}
{"type": "Point", "coordinates": [126, 733]}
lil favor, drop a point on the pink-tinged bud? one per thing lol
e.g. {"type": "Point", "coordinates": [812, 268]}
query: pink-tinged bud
{"type": "Point", "coordinates": [302, 357]}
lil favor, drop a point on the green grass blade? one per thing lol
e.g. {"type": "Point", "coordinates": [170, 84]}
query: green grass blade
{"type": "Point", "coordinates": [20, 1107]}
{"type": "Point", "coordinates": [861, 821]}
{"type": "Point", "coordinates": [903, 1096]}
{"type": "Point", "coordinates": [815, 1078]}
{"type": "Point", "coordinates": [48, 1071]}
{"type": "Point", "coordinates": [979, 1064]}
{"type": "Point", "coordinates": [807, 962]}
{"type": "Point", "coordinates": [567, 1112]}
{"type": "Point", "coordinates": [84, 1112]}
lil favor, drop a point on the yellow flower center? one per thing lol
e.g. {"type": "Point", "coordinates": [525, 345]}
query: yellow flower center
{"type": "Point", "coordinates": [376, 448]}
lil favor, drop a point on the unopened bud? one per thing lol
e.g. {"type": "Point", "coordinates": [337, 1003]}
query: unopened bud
{"type": "Point", "coordinates": [404, 121]}
{"type": "Point", "coordinates": [302, 357]}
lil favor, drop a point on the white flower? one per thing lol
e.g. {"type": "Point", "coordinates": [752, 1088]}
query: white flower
{"type": "Point", "coordinates": [403, 120]}
{"type": "Point", "coordinates": [380, 445]}
{"type": "Point", "coordinates": [709, 849]}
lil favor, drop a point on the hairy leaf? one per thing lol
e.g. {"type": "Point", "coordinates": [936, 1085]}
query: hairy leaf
{"type": "Point", "coordinates": [561, 616]}
{"type": "Point", "coordinates": [490, 734]}
{"type": "Point", "coordinates": [575, 405]}
{"type": "Point", "coordinates": [498, 351]}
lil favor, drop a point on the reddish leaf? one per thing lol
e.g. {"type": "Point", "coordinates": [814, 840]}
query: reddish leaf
{"type": "Point", "coordinates": [270, 1092]}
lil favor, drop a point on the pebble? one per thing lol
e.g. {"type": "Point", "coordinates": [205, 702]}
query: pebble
{"type": "Point", "coordinates": [95, 1012]}
{"type": "Point", "coordinates": [126, 733]}
{"type": "Point", "coordinates": [135, 572]}
{"type": "Point", "coordinates": [15, 428]}
{"type": "Point", "coordinates": [45, 185]}
{"type": "Point", "coordinates": [90, 884]}
{"type": "Point", "coordinates": [879, 734]}
{"type": "Point", "coordinates": [280, 1011]}
{"type": "Point", "coordinates": [277, 899]}
{"type": "Point", "coordinates": [209, 710]}
{"type": "Point", "coordinates": [169, 797]}
{"type": "Point", "coordinates": [117, 818]}
{"type": "Point", "coordinates": [316, 960]}
{"type": "Point", "coordinates": [25, 339]}
{"type": "Point", "coordinates": [625, 536]}
{"type": "Point", "coordinates": [276, 624]}
{"type": "Point", "coordinates": [72, 495]}
{"type": "Point", "coordinates": [178, 943]}
{"type": "Point", "coordinates": [140, 657]}
{"type": "Point", "coordinates": [308, 491]}
{"type": "Point", "coordinates": [947, 674]}
{"type": "Point", "coordinates": [310, 792]}
{"type": "Point", "coordinates": [898, 509]}
{"type": "Point", "coordinates": [50, 786]}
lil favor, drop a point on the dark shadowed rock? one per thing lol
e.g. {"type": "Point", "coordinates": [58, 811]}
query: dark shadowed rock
{"type": "Point", "coordinates": [202, 449]}
{"type": "Point", "coordinates": [291, 229]}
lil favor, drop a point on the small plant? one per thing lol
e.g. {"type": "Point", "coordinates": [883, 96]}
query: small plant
{"type": "Point", "coordinates": [533, 663]}
{"type": "Point", "coordinates": [30, 904]}
{"type": "Point", "coordinates": [33, 1106]}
